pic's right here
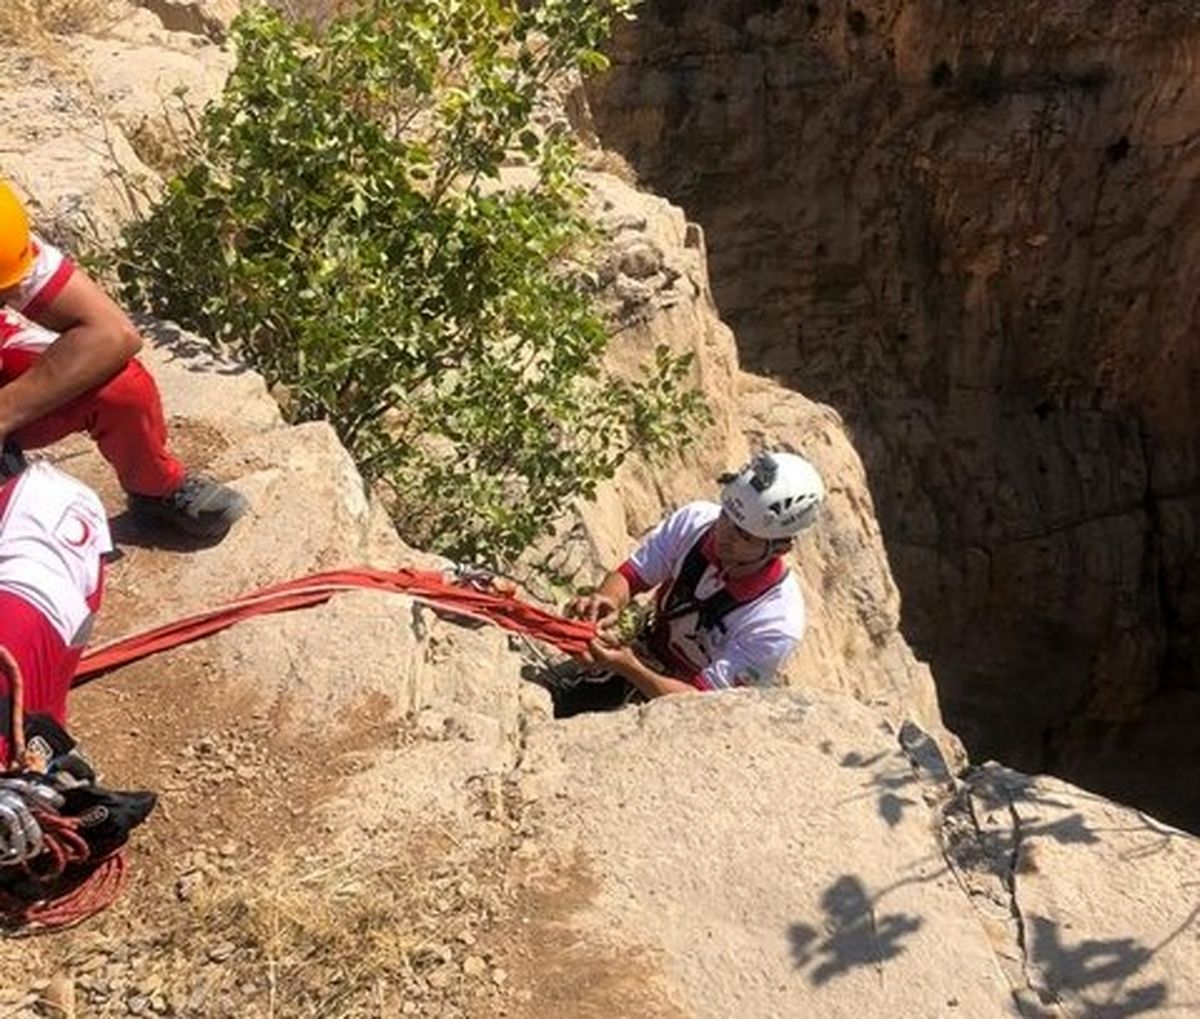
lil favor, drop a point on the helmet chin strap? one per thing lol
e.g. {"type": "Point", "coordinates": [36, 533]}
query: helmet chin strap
{"type": "Point", "coordinates": [772, 549]}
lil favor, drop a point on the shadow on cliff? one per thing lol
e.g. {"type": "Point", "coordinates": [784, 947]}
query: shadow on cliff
{"type": "Point", "coordinates": [855, 935]}
{"type": "Point", "coordinates": [900, 779]}
{"type": "Point", "coordinates": [1088, 979]}
{"type": "Point", "coordinates": [983, 843]}
{"type": "Point", "coordinates": [199, 356]}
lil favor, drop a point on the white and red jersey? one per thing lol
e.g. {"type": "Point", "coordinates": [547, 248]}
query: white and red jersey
{"type": "Point", "coordinates": [755, 635]}
{"type": "Point", "coordinates": [47, 276]}
{"type": "Point", "coordinates": [53, 535]}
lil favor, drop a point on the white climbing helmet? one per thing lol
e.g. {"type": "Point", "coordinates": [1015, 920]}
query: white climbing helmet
{"type": "Point", "coordinates": [775, 496]}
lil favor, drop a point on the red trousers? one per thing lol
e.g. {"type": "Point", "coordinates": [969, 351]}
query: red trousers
{"type": "Point", "coordinates": [125, 418]}
{"type": "Point", "coordinates": [47, 664]}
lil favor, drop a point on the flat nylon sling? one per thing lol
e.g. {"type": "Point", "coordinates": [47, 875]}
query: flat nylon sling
{"type": "Point", "coordinates": [503, 610]}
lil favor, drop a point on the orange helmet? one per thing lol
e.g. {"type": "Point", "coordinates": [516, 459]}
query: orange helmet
{"type": "Point", "coordinates": [16, 244]}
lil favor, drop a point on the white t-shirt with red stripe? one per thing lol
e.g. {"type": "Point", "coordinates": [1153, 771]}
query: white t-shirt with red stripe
{"type": "Point", "coordinates": [53, 533]}
{"type": "Point", "coordinates": [757, 635]}
{"type": "Point", "coordinates": [47, 276]}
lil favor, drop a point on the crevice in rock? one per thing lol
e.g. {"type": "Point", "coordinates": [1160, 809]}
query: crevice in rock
{"type": "Point", "coordinates": [984, 853]}
{"type": "Point", "coordinates": [522, 741]}
{"type": "Point", "coordinates": [1014, 902]}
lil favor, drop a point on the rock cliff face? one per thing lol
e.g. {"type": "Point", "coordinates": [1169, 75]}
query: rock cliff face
{"type": "Point", "coordinates": [973, 229]}
{"type": "Point", "coordinates": [853, 644]}
{"type": "Point", "coordinates": [380, 780]}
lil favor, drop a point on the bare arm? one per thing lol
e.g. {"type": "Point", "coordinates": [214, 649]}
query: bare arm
{"type": "Point", "coordinates": [649, 682]}
{"type": "Point", "coordinates": [96, 341]}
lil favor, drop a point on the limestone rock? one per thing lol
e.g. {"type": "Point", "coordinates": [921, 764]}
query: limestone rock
{"type": "Point", "coordinates": [792, 919]}
{"type": "Point", "coordinates": [152, 84]}
{"type": "Point", "coordinates": [868, 886]}
{"type": "Point", "coordinates": [86, 131]}
{"type": "Point", "coordinates": [81, 173]}
{"type": "Point", "coordinates": [853, 644]}
{"type": "Point", "coordinates": [1102, 895]}
{"type": "Point", "coordinates": [939, 219]}
{"type": "Point", "coordinates": [210, 18]}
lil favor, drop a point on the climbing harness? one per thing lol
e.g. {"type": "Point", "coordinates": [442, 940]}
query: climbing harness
{"type": "Point", "coordinates": [680, 600]}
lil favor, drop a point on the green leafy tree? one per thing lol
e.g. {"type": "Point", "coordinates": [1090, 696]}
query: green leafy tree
{"type": "Point", "coordinates": [342, 222]}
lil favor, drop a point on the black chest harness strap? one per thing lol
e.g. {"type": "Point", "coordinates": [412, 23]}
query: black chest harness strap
{"type": "Point", "coordinates": [681, 599]}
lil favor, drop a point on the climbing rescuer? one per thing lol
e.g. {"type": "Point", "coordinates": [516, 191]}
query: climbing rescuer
{"type": "Point", "coordinates": [727, 611]}
{"type": "Point", "coordinates": [67, 365]}
{"type": "Point", "coordinates": [60, 832]}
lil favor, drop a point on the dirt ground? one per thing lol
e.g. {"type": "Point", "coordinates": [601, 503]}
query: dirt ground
{"type": "Point", "coordinates": [236, 907]}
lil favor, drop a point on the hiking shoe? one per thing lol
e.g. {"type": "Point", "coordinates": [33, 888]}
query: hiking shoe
{"type": "Point", "coordinates": [200, 507]}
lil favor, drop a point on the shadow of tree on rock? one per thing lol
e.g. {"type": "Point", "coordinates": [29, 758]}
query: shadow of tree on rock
{"type": "Point", "coordinates": [1093, 973]}
{"type": "Point", "coordinates": [895, 774]}
{"type": "Point", "coordinates": [889, 776]}
{"type": "Point", "coordinates": [855, 936]}
{"type": "Point", "coordinates": [991, 821]}
{"type": "Point", "coordinates": [195, 353]}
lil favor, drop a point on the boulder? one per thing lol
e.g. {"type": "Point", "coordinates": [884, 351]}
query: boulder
{"type": "Point", "coordinates": [770, 855]}
{"type": "Point", "coordinates": [773, 857]}
{"type": "Point", "coordinates": [208, 18]}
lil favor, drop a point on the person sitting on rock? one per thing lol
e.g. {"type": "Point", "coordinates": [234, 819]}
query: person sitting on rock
{"type": "Point", "coordinates": [67, 365]}
{"type": "Point", "coordinates": [53, 539]}
{"type": "Point", "coordinates": [727, 612]}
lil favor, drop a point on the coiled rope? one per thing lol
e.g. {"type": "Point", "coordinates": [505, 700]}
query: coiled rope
{"type": "Point", "coordinates": [63, 846]}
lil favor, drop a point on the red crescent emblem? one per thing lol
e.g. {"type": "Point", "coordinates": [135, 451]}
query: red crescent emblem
{"type": "Point", "coordinates": [85, 534]}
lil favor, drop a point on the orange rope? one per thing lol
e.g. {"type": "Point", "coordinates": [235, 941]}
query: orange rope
{"type": "Point", "coordinates": [63, 845]}
{"type": "Point", "coordinates": [501, 609]}
{"type": "Point", "coordinates": [104, 882]}
{"type": "Point", "coordinates": [16, 687]}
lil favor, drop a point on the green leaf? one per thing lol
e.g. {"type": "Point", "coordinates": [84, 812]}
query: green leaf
{"type": "Point", "coordinates": [336, 221]}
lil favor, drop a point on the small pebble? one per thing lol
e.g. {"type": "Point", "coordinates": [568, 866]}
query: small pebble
{"type": "Point", "coordinates": [221, 951]}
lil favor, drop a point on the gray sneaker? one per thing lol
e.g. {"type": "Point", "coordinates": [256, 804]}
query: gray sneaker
{"type": "Point", "coordinates": [200, 507]}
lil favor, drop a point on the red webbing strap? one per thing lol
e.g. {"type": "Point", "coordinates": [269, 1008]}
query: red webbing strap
{"type": "Point", "coordinates": [504, 610]}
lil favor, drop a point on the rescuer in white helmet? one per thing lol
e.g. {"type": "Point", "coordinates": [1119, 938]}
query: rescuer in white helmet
{"type": "Point", "coordinates": [727, 611]}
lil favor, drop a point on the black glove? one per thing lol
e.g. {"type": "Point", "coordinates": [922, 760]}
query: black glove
{"type": "Point", "coordinates": [106, 816]}
{"type": "Point", "coordinates": [50, 750]}
{"type": "Point", "coordinates": [12, 460]}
